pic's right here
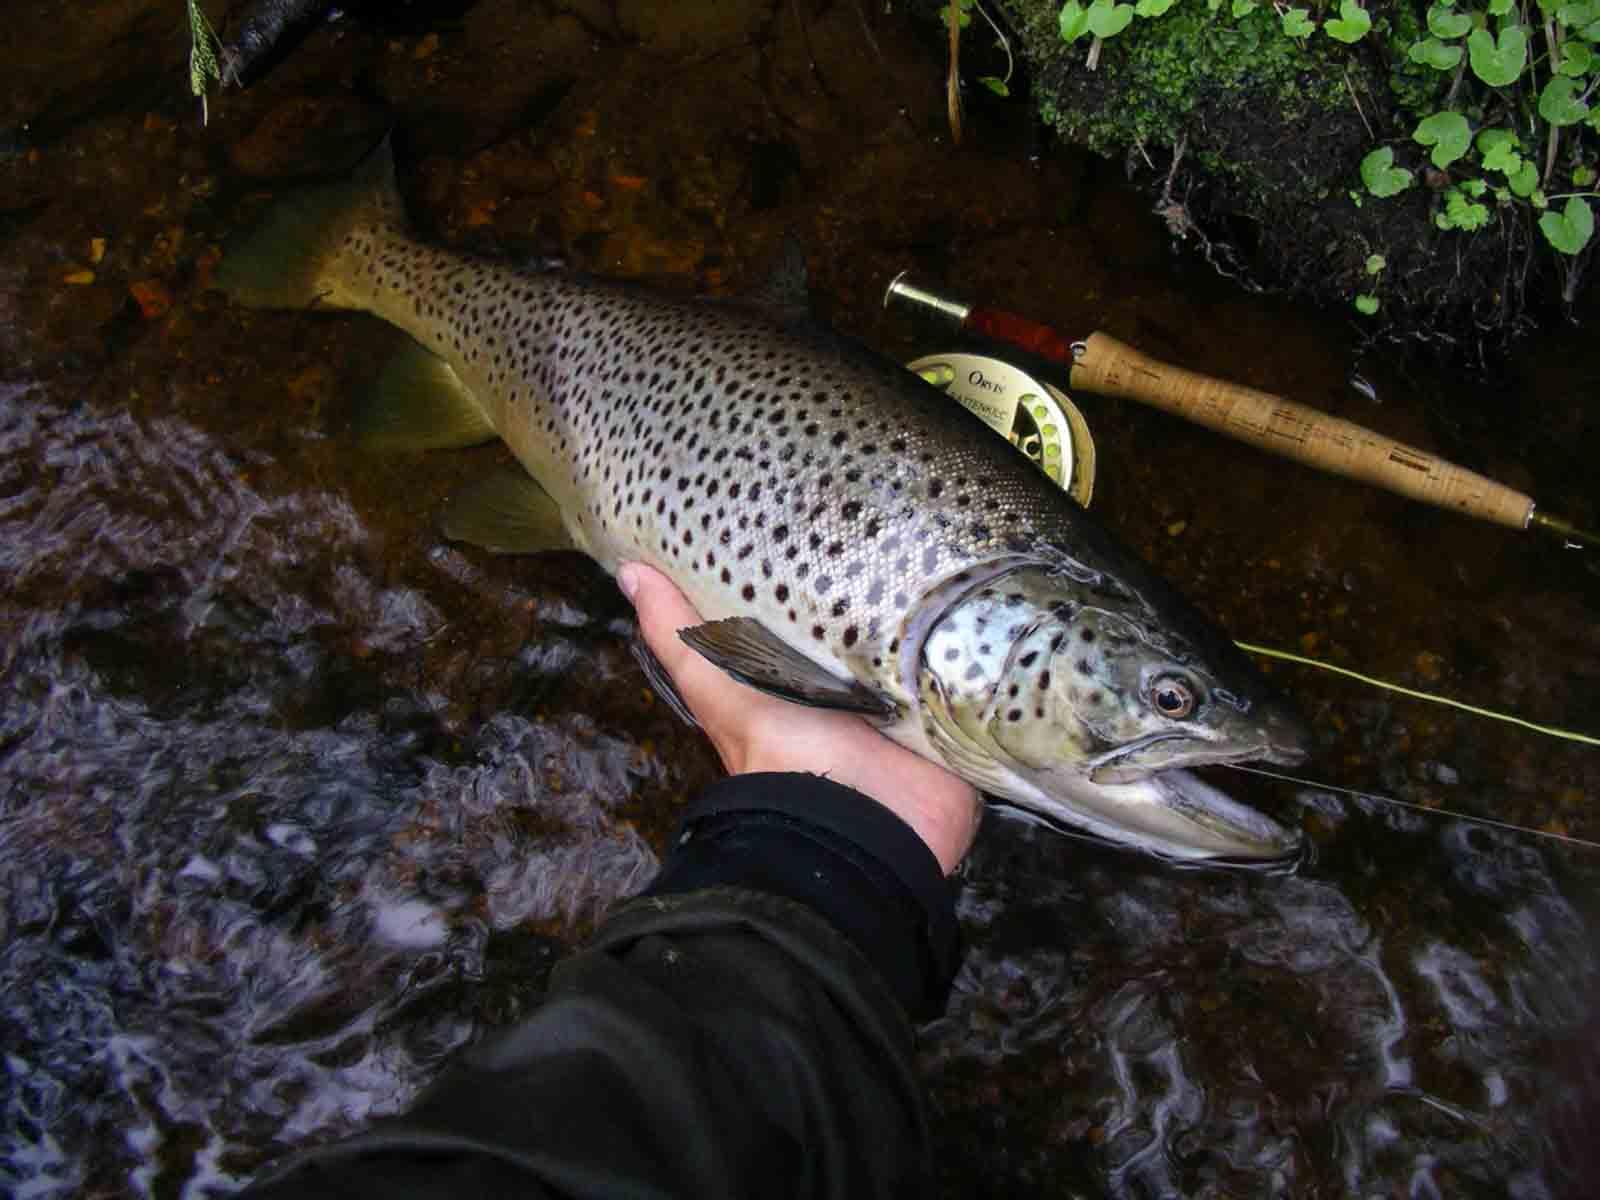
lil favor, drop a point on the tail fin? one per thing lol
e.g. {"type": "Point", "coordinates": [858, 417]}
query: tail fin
{"type": "Point", "coordinates": [291, 258]}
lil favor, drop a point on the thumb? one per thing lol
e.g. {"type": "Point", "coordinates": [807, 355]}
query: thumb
{"type": "Point", "coordinates": [663, 610]}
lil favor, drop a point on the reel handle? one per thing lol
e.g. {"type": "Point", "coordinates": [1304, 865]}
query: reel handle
{"type": "Point", "coordinates": [1105, 365]}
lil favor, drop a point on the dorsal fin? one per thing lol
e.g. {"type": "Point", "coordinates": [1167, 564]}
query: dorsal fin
{"type": "Point", "coordinates": [783, 295]}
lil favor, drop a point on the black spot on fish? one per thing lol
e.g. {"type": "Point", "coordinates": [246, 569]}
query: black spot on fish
{"type": "Point", "coordinates": [1027, 660]}
{"type": "Point", "coordinates": [850, 634]}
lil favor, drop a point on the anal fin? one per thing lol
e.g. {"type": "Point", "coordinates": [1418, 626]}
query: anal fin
{"type": "Point", "coordinates": [420, 403]}
{"type": "Point", "coordinates": [506, 513]}
{"type": "Point", "coordinates": [754, 655]}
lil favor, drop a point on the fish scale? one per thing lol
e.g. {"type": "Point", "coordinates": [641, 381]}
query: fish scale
{"type": "Point", "coordinates": [779, 474]}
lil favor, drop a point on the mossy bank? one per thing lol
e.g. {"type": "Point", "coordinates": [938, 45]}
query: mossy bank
{"type": "Point", "coordinates": [1393, 161]}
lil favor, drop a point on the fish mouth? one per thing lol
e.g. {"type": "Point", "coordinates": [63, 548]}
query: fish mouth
{"type": "Point", "coordinates": [1134, 760]}
{"type": "Point", "coordinates": [1175, 815]}
{"type": "Point", "coordinates": [1142, 794]}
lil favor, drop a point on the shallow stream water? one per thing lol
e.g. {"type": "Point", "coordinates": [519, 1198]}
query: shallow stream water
{"type": "Point", "coordinates": [296, 798]}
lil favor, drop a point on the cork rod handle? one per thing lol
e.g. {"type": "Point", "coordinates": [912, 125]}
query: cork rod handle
{"type": "Point", "coordinates": [1294, 431]}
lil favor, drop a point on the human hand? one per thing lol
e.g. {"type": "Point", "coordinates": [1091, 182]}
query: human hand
{"type": "Point", "coordinates": [753, 731]}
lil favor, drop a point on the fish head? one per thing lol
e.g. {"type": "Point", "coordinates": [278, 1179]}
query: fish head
{"type": "Point", "coordinates": [1084, 701]}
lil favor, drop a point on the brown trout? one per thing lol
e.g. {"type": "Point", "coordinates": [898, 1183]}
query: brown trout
{"type": "Point", "coordinates": [853, 538]}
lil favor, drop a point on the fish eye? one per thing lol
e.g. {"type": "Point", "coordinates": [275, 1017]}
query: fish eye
{"type": "Point", "coordinates": [1174, 697]}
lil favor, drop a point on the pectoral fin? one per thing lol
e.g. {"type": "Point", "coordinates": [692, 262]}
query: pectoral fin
{"type": "Point", "coordinates": [656, 673]}
{"type": "Point", "coordinates": [507, 513]}
{"type": "Point", "coordinates": [753, 654]}
{"type": "Point", "coordinates": [420, 403]}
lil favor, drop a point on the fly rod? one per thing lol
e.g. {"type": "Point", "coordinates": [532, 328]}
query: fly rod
{"type": "Point", "coordinates": [1102, 364]}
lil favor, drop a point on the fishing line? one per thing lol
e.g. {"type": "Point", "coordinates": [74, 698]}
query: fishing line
{"type": "Point", "coordinates": [1439, 812]}
{"type": "Point", "coordinates": [1549, 730]}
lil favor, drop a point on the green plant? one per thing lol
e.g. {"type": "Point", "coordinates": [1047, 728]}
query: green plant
{"type": "Point", "coordinates": [1382, 177]}
{"type": "Point", "coordinates": [1351, 25]}
{"type": "Point", "coordinates": [1449, 135]}
{"type": "Point", "coordinates": [1501, 91]}
{"type": "Point", "coordinates": [1498, 61]}
{"type": "Point", "coordinates": [1546, 95]}
{"type": "Point", "coordinates": [203, 46]}
{"type": "Point", "coordinates": [1569, 230]}
{"type": "Point", "coordinates": [1297, 22]}
{"type": "Point", "coordinates": [999, 85]}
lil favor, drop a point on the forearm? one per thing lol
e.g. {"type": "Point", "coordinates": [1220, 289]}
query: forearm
{"type": "Point", "coordinates": [739, 1030]}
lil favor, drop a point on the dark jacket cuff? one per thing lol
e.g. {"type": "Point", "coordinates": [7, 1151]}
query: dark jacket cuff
{"type": "Point", "coordinates": [840, 853]}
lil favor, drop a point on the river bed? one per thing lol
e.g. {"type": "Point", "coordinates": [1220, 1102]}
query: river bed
{"type": "Point", "coordinates": [297, 798]}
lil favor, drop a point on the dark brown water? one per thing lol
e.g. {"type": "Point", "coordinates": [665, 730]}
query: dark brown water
{"type": "Point", "coordinates": [296, 799]}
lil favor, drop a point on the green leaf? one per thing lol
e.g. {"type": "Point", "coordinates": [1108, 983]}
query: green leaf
{"type": "Point", "coordinates": [1446, 23]}
{"type": "Point", "coordinates": [1352, 23]}
{"type": "Point", "coordinates": [1525, 182]}
{"type": "Point", "coordinates": [1376, 263]}
{"type": "Point", "coordinates": [1461, 213]}
{"type": "Point", "coordinates": [1499, 8]}
{"type": "Point", "coordinates": [1381, 176]}
{"type": "Point", "coordinates": [1433, 53]}
{"type": "Point", "coordinates": [1297, 23]}
{"type": "Point", "coordinates": [1501, 151]}
{"type": "Point", "coordinates": [1576, 59]}
{"type": "Point", "coordinates": [1073, 22]}
{"type": "Point", "coordinates": [1537, 199]}
{"type": "Point", "coordinates": [1449, 135]}
{"type": "Point", "coordinates": [1243, 8]}
{"type": "Point", "coordinates": [1583, 176]}
{"type": "Point", "coordinates": [1107, 18]}
{"type": "Point", "coordinates": [1366, 304]}
{"type": "Point", "coordinates": [1473, 187]}
{"type": "Point", "coordinates": [1576, 16]}
{"type": "Point", "coordinates": [1490, 140]}
{"type": "Point", "coordinates": [1569, 230]}
{"type": "Point", "coordinates": [1498, 63]}
{"type": "Point", "coordinates": [1152, 8]}
{"type": "Point", "coordinates": [995, 84]}
{"type": "Point", "coordinates": [1559, 103]}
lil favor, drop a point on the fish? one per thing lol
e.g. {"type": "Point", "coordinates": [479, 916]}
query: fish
{"type": "Point", "coordinates": [853, 539]}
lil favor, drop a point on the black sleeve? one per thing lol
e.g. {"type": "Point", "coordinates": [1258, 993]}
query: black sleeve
{"type": "Point", "coordinates": [740, 1030]}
